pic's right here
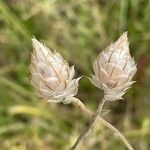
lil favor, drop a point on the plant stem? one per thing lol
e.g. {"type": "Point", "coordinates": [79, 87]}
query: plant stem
{"type": "Point", "coordinates": [88, 112]}
{"type": "Point", "coordinates": [89, 127]}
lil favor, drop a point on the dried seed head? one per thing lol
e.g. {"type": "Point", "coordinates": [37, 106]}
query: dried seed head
{"type": "Point", "coordinates": [114, 69]}
{"type": "Point", "coordinates": [51, 75]}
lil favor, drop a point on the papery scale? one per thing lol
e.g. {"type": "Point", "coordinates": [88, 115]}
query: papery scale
{"type": "Point", "coordinates": [51, 75]}
{"type": "Point", "coordinates": [114, 69]}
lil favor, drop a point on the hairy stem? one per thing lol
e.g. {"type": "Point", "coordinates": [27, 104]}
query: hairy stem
{"type": "Point", "coordinates": [116, 132]}
{"type": "Point", "coordinates": [91, 123]}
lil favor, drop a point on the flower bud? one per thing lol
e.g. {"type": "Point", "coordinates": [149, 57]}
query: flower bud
{"type": "Point", "coordinates": [51, 75]}
{"type": "Point", "coordinates": [114, 69]}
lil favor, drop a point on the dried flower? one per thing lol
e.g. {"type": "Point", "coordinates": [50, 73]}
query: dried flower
{"type": "Point", "coordinates": [51, 75]}
{"type": "Point", "coordinates": [114, 69]}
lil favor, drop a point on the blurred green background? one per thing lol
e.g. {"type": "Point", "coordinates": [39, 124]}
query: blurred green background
{"type": "Point", "coordinates": [79, 30]}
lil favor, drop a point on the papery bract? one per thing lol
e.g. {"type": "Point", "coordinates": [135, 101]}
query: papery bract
{"type": "Point", "coordinates": [114, 69]}
{"type": "Point", "coordinates": [51, 75]}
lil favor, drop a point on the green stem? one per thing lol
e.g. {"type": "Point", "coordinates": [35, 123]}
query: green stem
{"type": "Point", "coordinates": [91, 124]}
{"type": "Point", "coordinates": [81, 106]}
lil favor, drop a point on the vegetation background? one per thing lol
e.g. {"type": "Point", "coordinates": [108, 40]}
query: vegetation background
{"type": "Point", "coordinates": [79, 30]}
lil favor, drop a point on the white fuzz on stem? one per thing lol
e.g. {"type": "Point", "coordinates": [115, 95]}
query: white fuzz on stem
{"type": "Point", "coordinates": [51, 75]}
{"type": "Point", "coordinates": [114, 69]}
{"type": "Point", "coordinates": [116, 132]}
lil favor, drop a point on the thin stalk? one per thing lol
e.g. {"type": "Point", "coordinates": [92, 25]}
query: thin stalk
{"type": "Point", "coordinates": [88, 112]}
{"type": "Point", "coordinates": [89, 127]}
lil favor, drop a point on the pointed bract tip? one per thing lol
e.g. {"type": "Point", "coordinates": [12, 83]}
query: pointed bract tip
{"type": "Point", "coordinates": [35, 41]}
{"type": "Point", "coordinates": [124, 36]}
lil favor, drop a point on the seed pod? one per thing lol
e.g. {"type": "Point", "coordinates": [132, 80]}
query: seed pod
{"type": "Point", "coordinates": [51, 75]}
{"type": "Point", "coordinates": [114, 69]}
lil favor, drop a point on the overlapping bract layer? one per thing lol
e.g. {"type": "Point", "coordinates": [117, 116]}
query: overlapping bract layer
{"type": "Point", "coordinates": [51, 75]}
{"type": "Point", "coordinates": [114, 69]}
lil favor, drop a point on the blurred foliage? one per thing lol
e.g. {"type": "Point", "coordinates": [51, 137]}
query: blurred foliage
{"type": "Point", "coordinates": [79, 30]}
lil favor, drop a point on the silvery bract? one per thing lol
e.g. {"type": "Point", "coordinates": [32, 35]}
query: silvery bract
{"type": "Point", "coordinates": [114, 69]}
{"type": "Point", "coordinates": [51, 75]}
